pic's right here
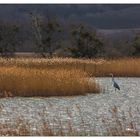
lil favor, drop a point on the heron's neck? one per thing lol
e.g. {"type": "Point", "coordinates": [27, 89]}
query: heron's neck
{"type": "Point", "coordinates": [112, 78]}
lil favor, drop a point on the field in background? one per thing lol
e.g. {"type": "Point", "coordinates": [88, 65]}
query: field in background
{"type": "Point", "coordinates": [127, 67]}
{"type": "Point", "coordinates": [94, 67]}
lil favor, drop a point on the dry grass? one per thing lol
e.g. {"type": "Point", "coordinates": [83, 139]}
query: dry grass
{"type": "Point", "coordinates": [94, 67]}
{"type": "Point", "coordinates": [114, 126]}
{"type": "Point", "coordinates": [117, 126]}
{"type": "Point", "coordinates": [41, 63]}
{"type": "Point", "coordinates": [59, 76]}
{"type": "Point", "coordinates": [120, 67]}
{"type": "Point", "coordinates": [19, 81]}
{"type": "Point", "coordinates": [21, 127]}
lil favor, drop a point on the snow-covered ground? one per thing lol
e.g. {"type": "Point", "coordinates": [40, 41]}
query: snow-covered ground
{"type": "Point", "coordinates": [83, 113]}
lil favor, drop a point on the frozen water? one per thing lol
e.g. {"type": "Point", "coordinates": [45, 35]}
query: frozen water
{"type": "Point", "coordinates": [89, 109]}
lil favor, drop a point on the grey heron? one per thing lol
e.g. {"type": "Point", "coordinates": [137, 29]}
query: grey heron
{"type": "Point", "coordinates": [115, 84]}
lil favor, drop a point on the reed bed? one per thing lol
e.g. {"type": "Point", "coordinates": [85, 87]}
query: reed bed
{"type": "Point", "coordinates": [41, 63]}
{"type": "Point", "coordinates": [19, 81]}
{"type": "Point", "coordinates": [127, 67]}
{"type": "Point", "coordinates": [94, 67]}
{"type": "Point", "coordinates": [59, 76]}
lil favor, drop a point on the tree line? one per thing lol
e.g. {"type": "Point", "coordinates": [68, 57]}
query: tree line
{"type": "Point", "coordinates": [51, 37]}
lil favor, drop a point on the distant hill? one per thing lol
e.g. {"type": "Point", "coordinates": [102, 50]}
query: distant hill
{"type": "Point", "coordinates": [103, 16]}
{"type": "Point", "coordinates": [118, 33]}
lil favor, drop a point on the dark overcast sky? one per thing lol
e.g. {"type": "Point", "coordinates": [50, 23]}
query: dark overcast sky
{"type": "Point", "coordinates": [106, 16]}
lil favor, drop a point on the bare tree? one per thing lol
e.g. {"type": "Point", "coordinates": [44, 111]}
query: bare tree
{"type": "Point", "coordinates": [46, 32]}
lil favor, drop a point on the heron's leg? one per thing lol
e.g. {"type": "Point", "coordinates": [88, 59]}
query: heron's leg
{"type": "Point", "coordinates": [115, 90]}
